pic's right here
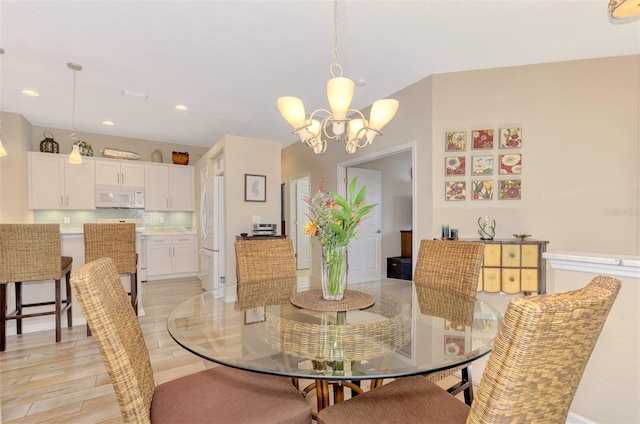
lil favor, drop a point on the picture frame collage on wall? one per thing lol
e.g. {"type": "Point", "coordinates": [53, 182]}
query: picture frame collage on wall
{"type": "Point", "coordinates": [481, 167]}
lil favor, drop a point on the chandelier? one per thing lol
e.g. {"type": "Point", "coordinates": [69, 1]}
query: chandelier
{"type": "Point", "coordinates": [620, 9]}
{"type": "Point", "coordinates": [74, 158]}
{"type": "Point", "coordinates": [323, 124]}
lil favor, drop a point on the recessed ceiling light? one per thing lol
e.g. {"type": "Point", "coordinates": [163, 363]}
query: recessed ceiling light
{"type": "Point", "coordinates": [30, 93]}
{"type": "Point", "coordinates": [181, 107]}
{"type": "Point", "coordinates": [108, 123]}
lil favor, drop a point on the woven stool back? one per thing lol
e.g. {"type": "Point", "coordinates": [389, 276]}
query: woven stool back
{"type": "Point", "coordinates": [540, 355]}
{"type": "Point", "coordinates": [115, 241]}
{"type": "Point", "coordinates": [264, 259]}
{"type": "Point", "coordinates": [114, 324]}
{"type": "Point", "coordinates": [29, 252]}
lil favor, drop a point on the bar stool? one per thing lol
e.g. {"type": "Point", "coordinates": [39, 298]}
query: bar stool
{"type": "Point", "coordinates": [118, 242]}
{"type": "Point", "coordinates": [31, 252]}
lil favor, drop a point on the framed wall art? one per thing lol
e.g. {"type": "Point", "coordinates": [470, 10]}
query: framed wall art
{"type": "Point", "coordinates": [510, 189]}
{"type": "Point", "coordinates": [455, 190]}
{"type": "Point", "coordinates": [455, 165]}
{"type": "Point", "coordinates": [510, 138]}
{"type": "Point", "coordinates": [456, 141]}
{"type": "Point", "coordinates": [482, 139]}
{"type": "Point", "coordinates": [482, 165]}
{"type": "Point", "coordinates": [511, 164]}
{"type": "Point", "coordinates": [482, 190]}
{"type": "Point", "coordinates": [255, 188]}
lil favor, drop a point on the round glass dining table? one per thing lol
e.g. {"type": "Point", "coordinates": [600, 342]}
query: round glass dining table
{"type": "Point", "coordinates": [408, 329]}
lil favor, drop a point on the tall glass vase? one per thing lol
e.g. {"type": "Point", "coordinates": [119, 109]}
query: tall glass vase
{"type": "Point", "coordinates": [334, 272]}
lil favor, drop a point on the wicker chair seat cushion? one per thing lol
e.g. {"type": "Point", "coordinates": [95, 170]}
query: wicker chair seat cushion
{"type": "Point", "coordinates": [222, 395]}
{"type": "Point", "coordinates": [407, 400]}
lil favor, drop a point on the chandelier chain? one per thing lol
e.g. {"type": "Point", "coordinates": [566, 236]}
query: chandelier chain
{"type": "Point", "coordinates": [335, 32]}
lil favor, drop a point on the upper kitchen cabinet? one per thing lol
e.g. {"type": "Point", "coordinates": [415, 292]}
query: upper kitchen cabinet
{"type": "Point", "coordinates": [56, 184]}
{"type": "Point", "coordinates": [119, 173]}
{"type": "Point", "coordinates": [169, 188]}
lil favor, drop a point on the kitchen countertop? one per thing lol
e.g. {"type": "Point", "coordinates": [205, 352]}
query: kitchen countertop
{"type": "Point", "coordinates": [142, 231]}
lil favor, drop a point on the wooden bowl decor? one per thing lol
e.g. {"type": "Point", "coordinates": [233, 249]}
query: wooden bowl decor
{"type": "Point", "coordinates": [180, 158]}
{"type": "Point", "coordinates": [49, 145]}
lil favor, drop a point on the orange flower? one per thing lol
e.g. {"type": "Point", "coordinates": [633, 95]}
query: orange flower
{"type": "Point", "coordinates": [310, 229]}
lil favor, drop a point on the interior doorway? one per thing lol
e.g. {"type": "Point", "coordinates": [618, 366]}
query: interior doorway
{"type": "Point", "coordinates": [397, 206]}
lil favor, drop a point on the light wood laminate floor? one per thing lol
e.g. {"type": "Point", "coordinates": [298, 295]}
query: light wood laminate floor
{"type": "Point", "coordinates": [46, 382]}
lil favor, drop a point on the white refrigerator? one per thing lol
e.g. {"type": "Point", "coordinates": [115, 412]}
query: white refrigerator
{"type": "Point", "coordinates": [212, 235]}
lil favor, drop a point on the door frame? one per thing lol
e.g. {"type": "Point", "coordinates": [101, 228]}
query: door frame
{"type": "Point", "coordinates": [341, 170]}
{"type": "Point", "coordinates": [291, 225]}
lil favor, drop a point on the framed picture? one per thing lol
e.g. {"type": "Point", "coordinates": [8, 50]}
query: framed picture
{"type": "Point", "coordinates": [252, 316]}
{"type": "Point", "coordinates": [482, 165]}
{"type": "Point", "coordinates": [510, 138]}
{"type": "Point", "coordinates": [255, 188]}
{"type": "Point", "coordinates": [511, 164]}
{"type": "Point", "coordinates": [482, 190]}
{"type": "Point", "coordinates": [482, 139]}
{"type": "Point", "coordinates": [455, 190]}
{"type": "Point", "coordinates": [455, 141]}
{"type": "Point", "coordinates": [454, 165]}
{"type": "Point", "coordinates": [510, 190]}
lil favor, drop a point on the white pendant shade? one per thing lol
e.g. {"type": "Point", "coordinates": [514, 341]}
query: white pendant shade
{"type": "Point", "coordinates": [382, 111]}
{"type": "Point", "coordinates": [3, 151]}
{"type": "Point", "coordinates": [74, 157]}
{"type": "Point", "coordinates": [292, 109]}
{"type": "Point", "coordinates": [621, 9]}
{"type": "Point", "coordinates": [340, 93]}
{"type": "Point", "coordinates": [355, 126]}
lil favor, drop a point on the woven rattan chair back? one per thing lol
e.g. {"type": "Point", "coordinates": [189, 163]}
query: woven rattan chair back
{"type": "Point", "coordinates": [31, 252]}
{"type": "Point", "coordinates": [115, 241]}
{"type": "Point", "coordinates": [540, 354]}
{"type": "Point", "coordinates": [264, 259]}
{"type": "Point", "coordinates": [452, 264]}
{"type": "Point", "coordinates": [106, 306]}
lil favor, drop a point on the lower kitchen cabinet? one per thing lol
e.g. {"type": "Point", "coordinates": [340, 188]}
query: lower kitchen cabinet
{"type": "Point", "coordinates": [171, 256]}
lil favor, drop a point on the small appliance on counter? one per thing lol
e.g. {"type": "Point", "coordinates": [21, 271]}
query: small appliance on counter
{"type": "Point", "coordinates": [264, 229]}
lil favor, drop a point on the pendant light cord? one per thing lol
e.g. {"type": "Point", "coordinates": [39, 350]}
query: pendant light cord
{"type": "Point", "coordinates": [335, 63]}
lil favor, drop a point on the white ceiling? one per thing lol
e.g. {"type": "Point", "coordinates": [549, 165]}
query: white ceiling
{"type": "Point", "coordinates": [229, 61]}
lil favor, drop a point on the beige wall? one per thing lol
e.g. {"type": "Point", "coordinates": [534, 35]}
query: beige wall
{"type": "Point", "coordinates": [16, 137]}
{"type": "Point", "coordinates": [243, 155]}
{"type": "Point", "coordinates": [580, 151]}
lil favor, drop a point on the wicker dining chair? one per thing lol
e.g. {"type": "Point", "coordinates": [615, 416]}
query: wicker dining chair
{"type": "Point", "coordinates": [537, 361]}
{"type": "Point", "coordinates": [220, 394]}
{"type": "Point", "coordinates": [118, 242]}
{"type": "Point", "coordinates": [454, 265]}
{"type": "Point", "coordinates": [263, 259]}
{"type": "Point", "coordinates": [31, 252]}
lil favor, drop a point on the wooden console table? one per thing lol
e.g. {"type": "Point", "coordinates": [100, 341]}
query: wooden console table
{"type": "Point", "coordinates": [513, 266]}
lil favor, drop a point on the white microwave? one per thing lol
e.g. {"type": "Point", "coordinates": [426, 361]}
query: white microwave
{"type": "Point", "coordinates": [119, 197]}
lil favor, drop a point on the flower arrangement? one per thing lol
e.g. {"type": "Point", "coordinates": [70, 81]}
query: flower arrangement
{"type": "Point", "coordinates": [333, 221]}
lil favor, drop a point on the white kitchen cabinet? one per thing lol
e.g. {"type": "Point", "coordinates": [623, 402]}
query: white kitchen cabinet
{"type": "Point", "coordinates": [56, 184]}
{"type": "Point", "coordinates": [171, 256]}
{"type": "Point", "coordinates": [169, 188]}
{"type": "Point", "coordinates": [119, 173]}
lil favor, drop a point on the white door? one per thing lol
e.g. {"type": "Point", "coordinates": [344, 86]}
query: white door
{"type": "Point", "coordinates": [365, 252]}
{"type": "Point", "coordinates": [303, 242]}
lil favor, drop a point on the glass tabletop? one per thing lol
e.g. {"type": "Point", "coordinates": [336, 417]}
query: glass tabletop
{"type": "Point", "coordinates": [410, 329]}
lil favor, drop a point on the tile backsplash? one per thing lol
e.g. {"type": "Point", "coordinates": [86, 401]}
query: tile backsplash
{"type": "Point", "coordinates": [77, 218]}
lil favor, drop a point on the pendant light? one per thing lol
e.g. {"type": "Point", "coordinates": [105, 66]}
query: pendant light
{"type": "Point", "coordinates": [621, 9]}
{"type": "Point", "coordinates": [74, 158]}
{"type": "Point", "coordinates": [335, 125]}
